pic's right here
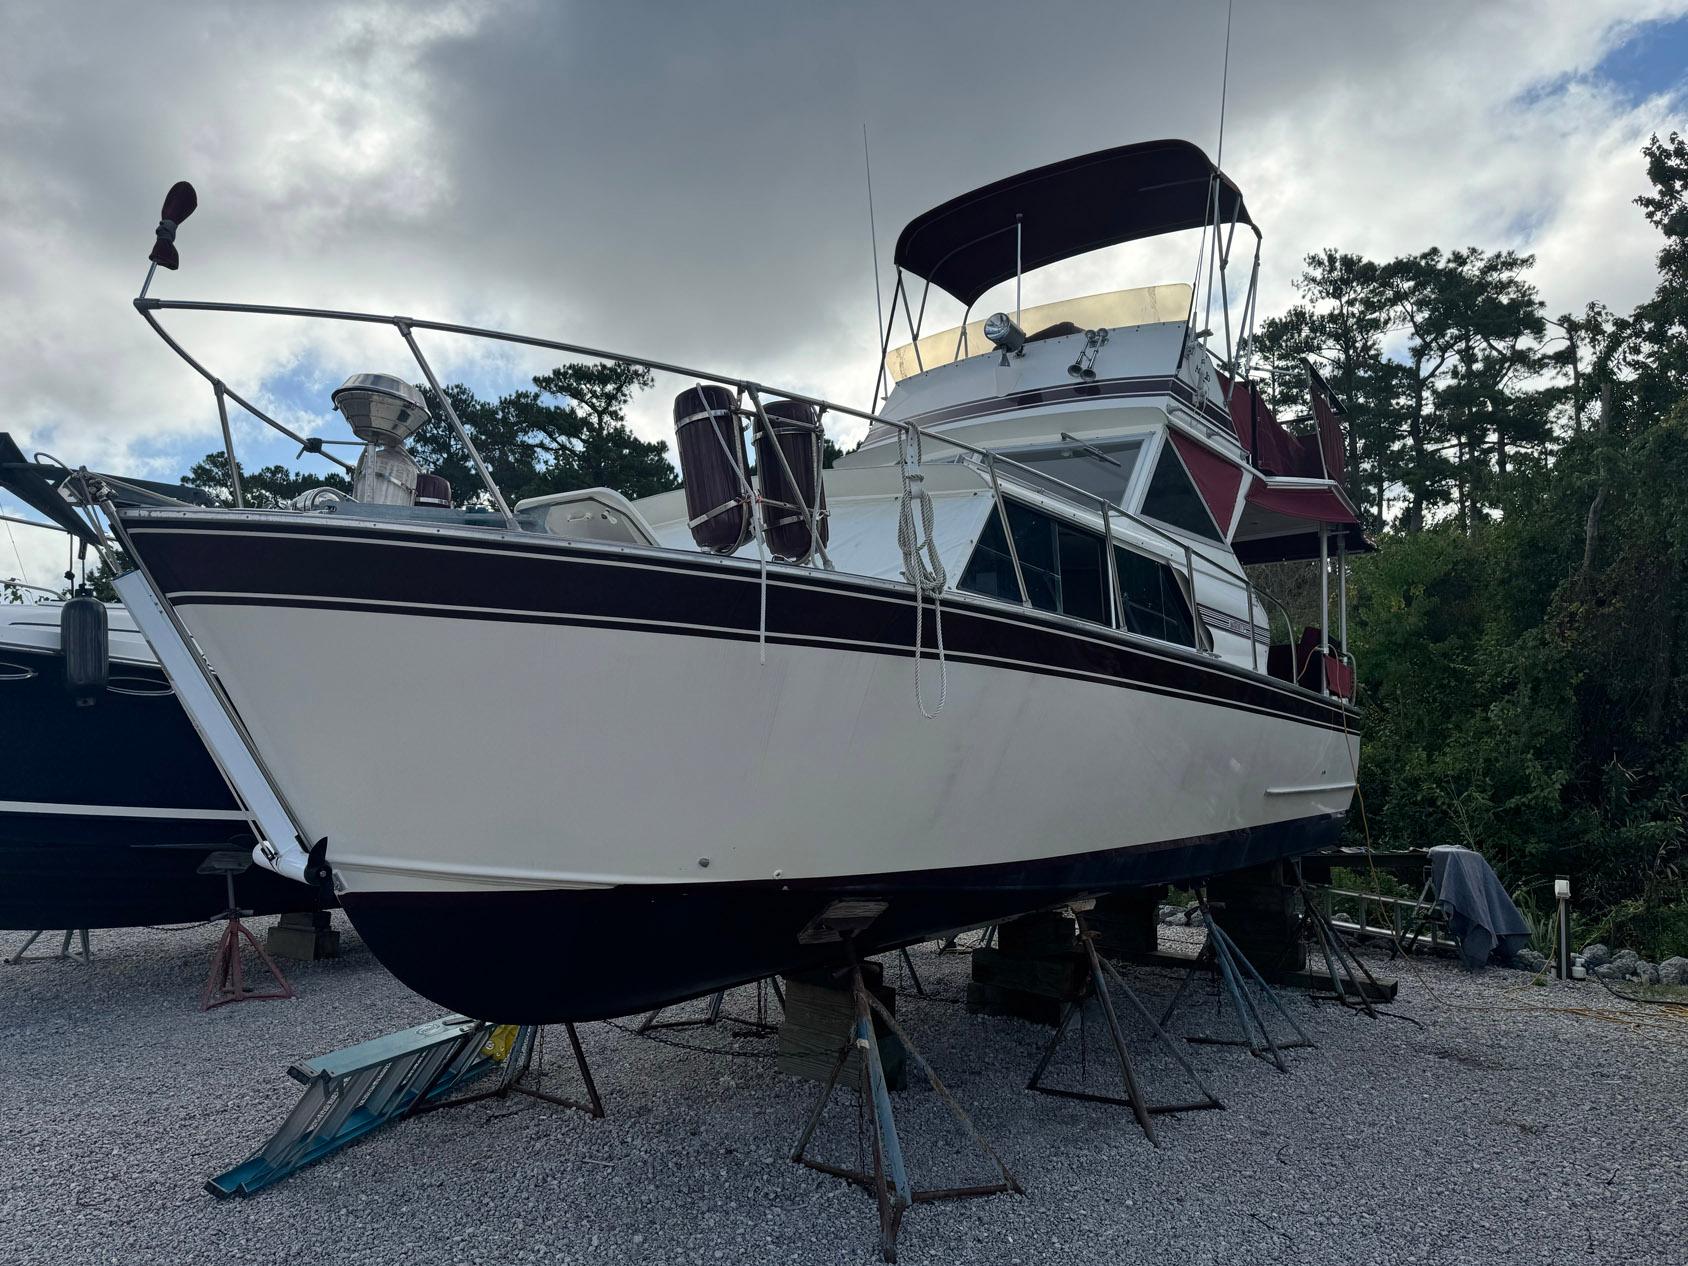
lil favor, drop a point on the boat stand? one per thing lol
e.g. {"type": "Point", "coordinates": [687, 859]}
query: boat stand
{"type": "Point", "coordinates": [524, 1044]}
{"type": "Point", "coordinates": [354, 1092]}
{"type": "Point", "coordinates": [889, 1180]}
{"type": "Point", "coordinates": [761, 1026]}
{"type": "Point", "coordinates": [952, 944]}
{"type": "Point", "coordinates": [65, 953]}
{"type": "Point", "coordinates": [227, 981]}
{"type": "Point", "coordinates": [1102, 972]}
{"type": "Point", "coordinates": [913, 976]}
{"type": "Point", "coordinates": [1234, 974]}
{"type": "Point", "coordinates": [1340, 959]}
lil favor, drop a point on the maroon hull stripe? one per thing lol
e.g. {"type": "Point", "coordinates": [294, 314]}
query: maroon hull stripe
{"type": "Point", "coordinates": [351, 567]}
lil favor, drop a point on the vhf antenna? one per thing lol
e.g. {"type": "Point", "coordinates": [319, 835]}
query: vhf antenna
{"type": "Point", "coordinates": [873, 235]}
{"type": "Point", "coordinates": [1213, 200]}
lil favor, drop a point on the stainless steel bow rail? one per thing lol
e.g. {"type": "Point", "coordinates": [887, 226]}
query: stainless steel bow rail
{"type": "Point", "coordinates": [354, 1092]}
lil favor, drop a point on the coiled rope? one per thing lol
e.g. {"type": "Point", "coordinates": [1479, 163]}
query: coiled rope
{"type": "Point", "coordinates": [921, 564]}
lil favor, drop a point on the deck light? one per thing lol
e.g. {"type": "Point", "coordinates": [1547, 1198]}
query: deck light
{"type": "Point", "coordinates": [1005, 335]}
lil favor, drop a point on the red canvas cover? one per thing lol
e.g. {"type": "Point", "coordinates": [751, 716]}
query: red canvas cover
{"type": "Point", "coordinates": [1340, 677]}
{"type": "Point", "coordinates": [1315, 505]}
{"type": "Point", "coordinates": [1327, 413]}
{"type": "Point", "coordinates": [1216, 479]}
{"type": "Point", "coordinates": [1274, 450]}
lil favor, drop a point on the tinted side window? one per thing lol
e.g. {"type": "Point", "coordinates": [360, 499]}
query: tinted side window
{"type": "Point", "coordinates": [1040, 561]}
{"type": "Point", "coordinates": [1084, 585]}
{"type": "Point", "coordinates": [1154, 601]}
{"type": "Point", "coordinates": [991, 571]}
{"type": "Point", "coordinates": [1173, 499]}
{"type": "Point", "coordinates": [1062, 565]}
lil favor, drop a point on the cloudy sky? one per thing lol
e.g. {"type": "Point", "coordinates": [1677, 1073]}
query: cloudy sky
{"type": "Point", "coordinates": [685, 181]}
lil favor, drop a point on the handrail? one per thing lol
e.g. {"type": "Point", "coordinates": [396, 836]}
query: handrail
{"type": "Point", "coordinates": [12, 582]}
{"type": "Point", "coordinates": [146, 306]}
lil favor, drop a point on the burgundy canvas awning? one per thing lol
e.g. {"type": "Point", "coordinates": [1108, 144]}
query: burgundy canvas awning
{"type": "Point", "coordinates": [1273, 448]}
{"type": "Point", "coordinates": [1314, 505]}
{"type": "Point", "coordinates": [1216, 479]}
{"type": "Point", "coordinates": [1281, 521]}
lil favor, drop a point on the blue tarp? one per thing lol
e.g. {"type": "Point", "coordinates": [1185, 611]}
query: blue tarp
{"type": "Point", "coordinates": [1480, 913]}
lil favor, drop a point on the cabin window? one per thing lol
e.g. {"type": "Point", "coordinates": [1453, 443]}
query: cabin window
{"type": "Point", "coordinates": [1155, 605]}
{"type": "Point", "coordinates": [1103, 469]}
{"type": "Point", "coordinates": [1063, 565]}
{"type": "Point", "coordinates": [991, 571]}
{"type": "Point", "coordinates": [1172, 497]}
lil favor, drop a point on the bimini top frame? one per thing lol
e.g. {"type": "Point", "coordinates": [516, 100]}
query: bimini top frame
{"type": "Point", "coordinates": [1052, 213]}
{"type": "Point", "coordinates": [1067, 209]}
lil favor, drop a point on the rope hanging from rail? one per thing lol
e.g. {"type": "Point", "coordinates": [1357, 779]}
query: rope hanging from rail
{"type": "Point", "coordinates": [921, 563]}
{"type": "Point", "coordinates": [749, 498]}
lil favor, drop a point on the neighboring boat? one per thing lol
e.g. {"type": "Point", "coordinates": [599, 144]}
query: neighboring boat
{"type": "Point", "coordinates": [109, 802]}
{"type": "Point", "coordinates": [580, 756]}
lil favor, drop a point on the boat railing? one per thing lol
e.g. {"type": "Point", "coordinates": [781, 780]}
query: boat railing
{"type": "Point", "coordinates": [408, 326]}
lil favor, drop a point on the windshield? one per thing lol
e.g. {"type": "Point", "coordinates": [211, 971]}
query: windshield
{"type": "Point", "coordinates": [1145, 305]}
{"type": "Point", "coordinates": [1103, 468]}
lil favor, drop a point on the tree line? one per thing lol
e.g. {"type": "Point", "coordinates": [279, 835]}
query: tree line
{"type": "Point", "coordinates": [1521, 632]}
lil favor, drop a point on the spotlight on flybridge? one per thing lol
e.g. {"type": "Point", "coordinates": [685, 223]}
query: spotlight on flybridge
{"type": "Point", "coordinates": [1005, 335]}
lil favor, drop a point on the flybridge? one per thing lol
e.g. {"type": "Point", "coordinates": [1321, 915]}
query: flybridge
{"type": "Point", "coordinates": [1064, 210]}
{"type": "Point", "coordinates": [1109, 367]}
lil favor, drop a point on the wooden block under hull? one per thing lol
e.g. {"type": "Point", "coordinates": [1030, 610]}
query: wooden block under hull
{"type": "Point", "coordinates": [1059, 976]}
{"type": "Point", "coordinates": [1013, 1004]}
{"type": "Point", "coordinates": [820, 1021]}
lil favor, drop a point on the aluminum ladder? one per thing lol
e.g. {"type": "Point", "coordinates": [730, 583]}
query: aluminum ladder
{"type": "Point", "coordinates": [360, 1089]}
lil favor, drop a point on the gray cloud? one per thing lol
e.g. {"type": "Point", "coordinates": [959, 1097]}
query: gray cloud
{"type": "Point", "coordinates": [686, 180]}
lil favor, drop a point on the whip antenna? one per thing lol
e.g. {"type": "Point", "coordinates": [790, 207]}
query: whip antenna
{"type": "Point", "coordinates": [1224, 86]}
{"type": "Point", "coordinates": [873, 236]}
{"type": "Point", "coordinates": [1213, 184]}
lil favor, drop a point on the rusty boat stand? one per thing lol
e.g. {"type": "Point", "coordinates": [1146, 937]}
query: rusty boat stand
{"type": "Point", "coordinates": [1342, 964]}
{"type": "Point", "coordinates": [888, 1179]}
{"type": "Point", "coordinates": [1234, 976]}
{"type": "Point", "coordinates": [760, 1026]}
{"type": "Point", "coordinates": [227, 981]}
{"type": "Point", "coordinates": [1102, 975]}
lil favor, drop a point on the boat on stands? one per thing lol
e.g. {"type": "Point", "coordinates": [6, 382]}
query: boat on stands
{"type": "Point", "coordinates": [581, 756]}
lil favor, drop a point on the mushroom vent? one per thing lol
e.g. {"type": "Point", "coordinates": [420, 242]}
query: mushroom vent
{"type": "Point", "coordinates": [380, 408]}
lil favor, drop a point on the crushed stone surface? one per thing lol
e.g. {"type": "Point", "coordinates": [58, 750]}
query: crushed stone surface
{"type": "Point", "coordinates": [1482, 1119]}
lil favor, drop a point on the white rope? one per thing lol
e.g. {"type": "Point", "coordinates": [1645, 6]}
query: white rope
{"type": "Point", "coordinates": [921, 564]}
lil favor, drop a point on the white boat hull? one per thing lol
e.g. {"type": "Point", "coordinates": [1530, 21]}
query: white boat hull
{"type": "Point", "coordinates": [656, 758]}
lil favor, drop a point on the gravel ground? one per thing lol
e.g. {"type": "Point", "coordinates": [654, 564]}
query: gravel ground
{"type": "Point", "coordinates": [1484, 1120]}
